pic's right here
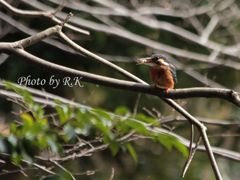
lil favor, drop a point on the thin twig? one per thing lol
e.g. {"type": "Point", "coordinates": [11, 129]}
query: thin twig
{"type": "Point", "coordinates": [209, 29]}
{"type": "Point", "coordinates": [135, 109]}
{"type": "Point", "coordinates": [66, 19]}
{"type": "Point", "coordinates": [190, 148]}
{"type": "Point", "coordinates": [63, 168]}
{"type": "Point", "coordinates": [190, 158]}
{"type": "Point", "coordinates": [3, 58]}
{"type": "Point", "coordinates": [112, 174]}
{"type": "Point", "coordinates": [206, 121]}
{"type": "Point", "coordinates": [37, 165]}
{"type": "Point", "coordinates": [5, 172]}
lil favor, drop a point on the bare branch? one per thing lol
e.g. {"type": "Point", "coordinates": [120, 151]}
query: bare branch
{"type": "Point", "coordinates": [190, 151]}
{"type": "Point", "coordinates": [21, 27]}
{"type": "Point", "coordinates": [209, 29]}
{"type": "Point", "coordinates": [112, 174]}
{"type": "Point", "coordinates": [67, 19]}
{"type": "Point", "coordinates": [186, 13]}
{"type": "Point", "coordinates": [121, 32]}
{"type": "Point", "coordinates": [206, 121]}
{"type": "Point", "coordinates": [183, 13]}
{"type": "Point", "coordinates": [63, 168]}
{"type": "Point", "coordinates": [37, 165]}
{"type": "Point", "coordinates": [3, 58]}
{"type": "Point", "coordinates": [152, 23]}
{"type": "Point", "coordinates": [190, 158]}
{"type": "Point", "coordinates": [226, 94]}
{"type": "Point", "coordinates": [96, 57]}
{"type": "Point", "coordinates": [33, 14]}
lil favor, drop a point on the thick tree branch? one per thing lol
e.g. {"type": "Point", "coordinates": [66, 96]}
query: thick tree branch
{"type": "Point", "coordinates": [226, 94]}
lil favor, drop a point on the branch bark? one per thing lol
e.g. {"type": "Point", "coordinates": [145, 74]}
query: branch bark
{"type": "Point", "coordinates": [226, 94]}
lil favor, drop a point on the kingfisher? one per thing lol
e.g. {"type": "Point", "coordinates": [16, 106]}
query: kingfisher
{"type": "Point", "coordinates": [163, 74]}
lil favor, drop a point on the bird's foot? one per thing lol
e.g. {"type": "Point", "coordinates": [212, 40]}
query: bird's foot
{"type": "Point", "coordinates": [161, 87]}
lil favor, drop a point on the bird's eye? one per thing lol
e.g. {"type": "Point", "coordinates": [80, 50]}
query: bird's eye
{"type": "Point", "coordinates": [155, 59]}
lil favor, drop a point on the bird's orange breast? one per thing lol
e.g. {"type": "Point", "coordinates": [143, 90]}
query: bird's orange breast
{"type": "Point", "coordinates": [162, 77]}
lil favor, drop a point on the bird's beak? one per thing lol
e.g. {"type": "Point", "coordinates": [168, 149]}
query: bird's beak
{"type": "Point", "coordinates": [147, 60]}
{"type": "Point", "coordinates": [164, 63]}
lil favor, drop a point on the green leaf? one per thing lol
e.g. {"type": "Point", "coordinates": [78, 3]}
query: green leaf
{"type": "Point", "coordinates": [169, 142]}
{"type": "Point", "coordinates": [103, 116]}
{"type": "Point", "coordinates": [13, 128]}
{"type": "Point", "coordinates": [69, 132]}
{"type": "Point", "coordinates": [114, 147]}
{"type": "Point", "coordinates": [16, 158]}
{"type": "Point", "coordinates": [3, 145]}
{"type": "Point", "coordinates": [37, 111]}
{"type": "Point", "coordinates": [27, 157]}
{"type": "Point", "coordinates": [181, 148]}
{"type": "Point", "coordinates": [147, 119]}
{"type": "Point", "coordinates": [28, 149]}
{"type": "Point", "coordinates": [132, 152]}
{"type": "Point", "coordinates": [42, 141]}
{"type": "Point", "coordinates": [165, 140]}
{"type": "Point", "coordinates": [122, 127]}
{"type": "Point", "coordinates": [35, 108]}
{"type": "Point", "coordinates": [102, 113]}
{"type": "Point", "coordinates": [136, 126]}
{"type": "Point", "coordinates": [27, 119]}
{"type": "Point", "coordinates": [51, 140]}
{"type": "Point", "coordinates": [26, 95]}
{"type": "Point", "coordinates": [43, 123]}
{"type": "Point", "coordinates": [12, 140]}
{"type": "Point", "coordinates": [63, 113]}
{"type": "Point", "coordinates": [122, 110]}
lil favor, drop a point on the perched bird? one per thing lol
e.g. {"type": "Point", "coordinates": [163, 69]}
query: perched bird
{"type": "Point", "coordinates": [162, 73]}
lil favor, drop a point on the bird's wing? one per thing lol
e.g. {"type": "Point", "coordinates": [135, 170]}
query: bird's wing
{"type": "Point", "coordinates": [174, 73]}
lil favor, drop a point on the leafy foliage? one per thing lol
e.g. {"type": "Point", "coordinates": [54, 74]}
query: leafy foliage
{"type": "Point", "coordinates": [36, 130]}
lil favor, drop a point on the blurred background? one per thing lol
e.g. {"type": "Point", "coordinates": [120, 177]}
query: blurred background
{"type": "Point", "coordinates": [200, 37]}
